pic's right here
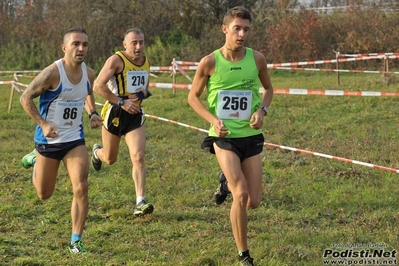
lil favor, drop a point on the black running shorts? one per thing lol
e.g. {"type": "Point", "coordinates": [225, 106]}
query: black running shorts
{"type": "Point", "coordinates": [58, 150]}
{"type": "Point", "coordinates": [119, 122]}
{"type": "Point", "coordinates": [244, 147]}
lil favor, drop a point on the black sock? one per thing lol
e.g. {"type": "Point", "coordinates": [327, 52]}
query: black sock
{"type": "Point", "coordinates": [225, 187]}
{"type": "Point", "coordinates": [243, 254]}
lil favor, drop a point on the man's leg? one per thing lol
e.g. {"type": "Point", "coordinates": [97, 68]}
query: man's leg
{"type": "Point", "coordinates": [45, 175]}
{"type": "Point", "coordinates": [135, 141]}
{"type": "Point", "coordinates": [252, 169]}
{"type": "Point", "coordinates": [77, 164]}
{"type": "Point", "coordinates": [231, 167]}
{"type": "Point", "coordinates": [110, 149]}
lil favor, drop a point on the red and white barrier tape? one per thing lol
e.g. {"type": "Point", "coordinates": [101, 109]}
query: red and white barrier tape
{"type": "Point", "coordinates": [273, 66]}
{"type": "Point", "coordinates": [393, 170]}
{"type": "Point", "coordinates": [292, 91]}
{"type": "Point", "coordinates": [369, 54]}
{"type": "Point", "coordinates": [21, 84]}
{"type": "Point", "coordinates": [289, 91]}
{"type": "Point", "coordinates": [335, 70]}
{"type": "Point", "coordinates": [187, 63]}
{"type": "Point", "coordinates": [15, 86]}
{"type": "Point", "coordinates": [170, 86]}
{"type": "Point", "coordinates": [317, 62]}
{"type": "Point", "coordinates": [176, 123]}
{"type": "Point", "coordinates": [174, 63]}
{"type": "Point", "coordinates": [170, 68]}
{"type": "Point", "coordinates": [18, 71]}
{"type": "Point", "coordinates": [25, 76]}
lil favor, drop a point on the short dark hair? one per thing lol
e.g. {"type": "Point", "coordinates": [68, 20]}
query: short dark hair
{"type": "Point", "coordinates": [135, 30]}
{"type": "Point", "coordinates": [73, 30]}
{"type": "Point", "coordinates": [236, 12]}
{"type": "Point", "coordinates": [76, 29]}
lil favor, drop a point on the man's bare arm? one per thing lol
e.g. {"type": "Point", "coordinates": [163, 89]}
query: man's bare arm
{"type": "Point", "coordinates": [37, 87]}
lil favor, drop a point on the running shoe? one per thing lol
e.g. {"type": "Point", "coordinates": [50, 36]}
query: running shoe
{"type": "Point", "coordinates": [77, 247]}
{"type": "Point", "coordinates": [29, 160]}
{"type": "Point", "coordinates": [96, 162]}
{"type": "Point", "coordinates": [143, 208]}
{"type": "Point", "coordinates": [222, 191]}
{"type": "Point", "coordinates": [247, 261]}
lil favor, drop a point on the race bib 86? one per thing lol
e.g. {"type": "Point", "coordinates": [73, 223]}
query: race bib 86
{"type": "Point", "coordinates": [67, 114]}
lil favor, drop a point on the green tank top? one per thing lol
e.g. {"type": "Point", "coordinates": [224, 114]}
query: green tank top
{"type": "Point", "coordinates": [233, 94]}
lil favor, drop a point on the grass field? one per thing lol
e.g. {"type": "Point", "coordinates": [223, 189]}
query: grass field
{"type": "Point", "coordinates": [310, 203]}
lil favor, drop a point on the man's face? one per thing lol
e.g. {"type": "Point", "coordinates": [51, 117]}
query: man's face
{"type": "Point", "coordinates": [236, 32]}
{"type": "Point", "coordinates": [76, 46]}
{"type": "Point", "coordinates": [134, 44]}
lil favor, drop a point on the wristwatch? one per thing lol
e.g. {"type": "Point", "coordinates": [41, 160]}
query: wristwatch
{"type": "Point", "coordinates": [93, 113]}
{"type": "Point", "coordinates": [120, 102]}
{"type": "Point", "coordinates": [264, 109]}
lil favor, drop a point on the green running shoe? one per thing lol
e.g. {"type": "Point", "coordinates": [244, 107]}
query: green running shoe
{"type": "Point", "coordinates": [29, 160]}
{"type": "Point", "coordinates": [77, 247]}
{"type": "Point", "coordinates": [143, 208]}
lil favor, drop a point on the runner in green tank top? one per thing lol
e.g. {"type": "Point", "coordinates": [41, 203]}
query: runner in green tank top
{"type": "Point", "coordinates": [235, 112]}
{"type": "Point", "coordinates": [233, 94]}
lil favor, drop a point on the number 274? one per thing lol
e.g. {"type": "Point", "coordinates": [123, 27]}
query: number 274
{"type": "Point", "coordinates": [138, 80]}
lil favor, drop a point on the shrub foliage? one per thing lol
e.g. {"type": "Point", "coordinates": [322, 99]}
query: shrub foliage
{"type": "Point", "coordinates": [32, 30]}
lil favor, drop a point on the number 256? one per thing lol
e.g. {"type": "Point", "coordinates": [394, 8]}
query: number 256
{"type": "Point", "coordinates": [235, 103]}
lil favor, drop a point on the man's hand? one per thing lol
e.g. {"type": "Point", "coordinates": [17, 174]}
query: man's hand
{"type": "Point", "coordinates": [95, 121]}
{"type": "Point", "coordinates": [220, 129]}
{"type": "Point", "coordinates": [130, 106]}
{"type": "Point", "coordinates": [49, 131]}
{"type": "Point", "coordinates": [256, 121]}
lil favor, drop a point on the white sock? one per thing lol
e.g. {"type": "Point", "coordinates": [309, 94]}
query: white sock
{"type": "Point", "coordinates": [139, 199]}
